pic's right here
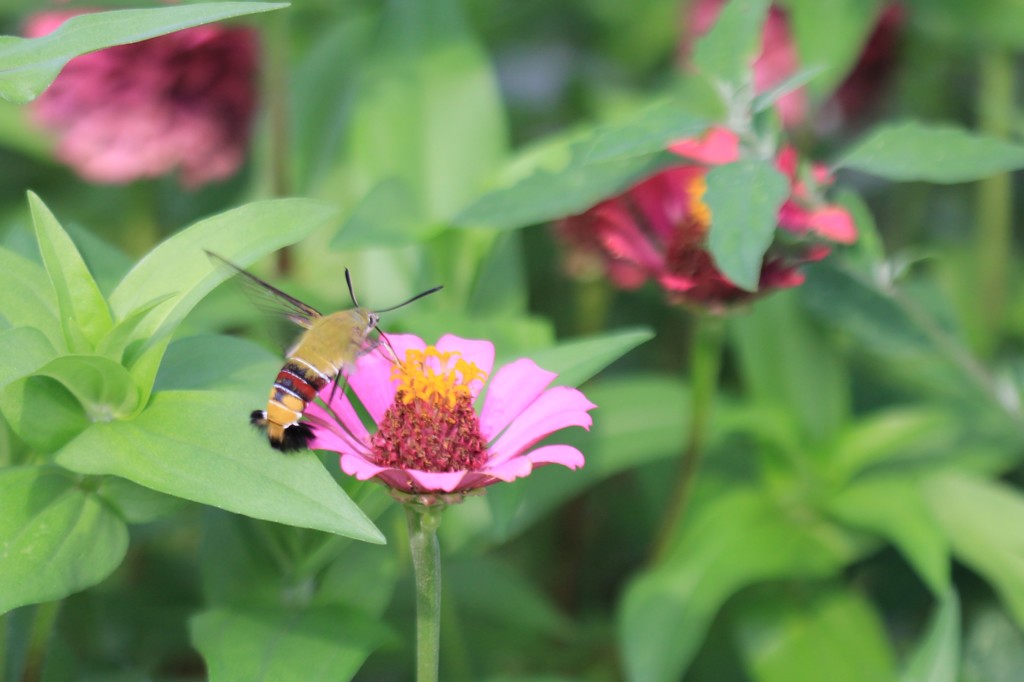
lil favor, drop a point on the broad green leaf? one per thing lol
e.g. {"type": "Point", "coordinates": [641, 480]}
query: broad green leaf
{"type": "Point", "coordinates": [103, 387]}
{"type": "Point", "coordinates": [83, 311]}
{"type": "Point", "coordinates": [123, 338]}
{"type": "Point", "coordinates": [221, 362]}
{"type": "Point", "coordinates": [740, 538]}
{"type": "Point", "coordinates": [428, 111]}
{"type": "Point", "coordinates": [744, 198]}
{"type": "Point", "coordinates": [137, 504]}
{"type": "Point", "coordinates": [872, 314]}
{"type": "Point", "coordinates": [785, 637]}
{"type": "Point", "coordinates": [727, 52]}
{"type": "Point", "coordinates": [578, 360]}
{"type": "Point", "coordinates": [831, 35]}
{"type": "Point", "coordinates": [568, 186]}
{"type": "Point", "coordinates": [26, 297]}
{"type": "Point", "coordinates": [317, 643]}
{"type": "Point", "coordinates": [55, 537]}
{"type": "Point", "coordinates": [942, 154]}
{"type": "Point", "coordinates": [198, 445]}
{"type": "Point", "coordinates": [29, 65]}
{"type": "Point", "coordinates": [23, 350]}
{"type": "Point", "coordinates": [179, 268]}
{"type": "Point", "coordinates": [893, 508]}
{"type": "Point", "coordinates": [936, 658]}
{"type": "Point", "coordinates": [651, 130]}
{"type": "Point", "coordinates": [978, 517]}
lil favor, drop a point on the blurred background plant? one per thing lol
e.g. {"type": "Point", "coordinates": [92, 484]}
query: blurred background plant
{"type": "Point", "coordinates": [801, 467]}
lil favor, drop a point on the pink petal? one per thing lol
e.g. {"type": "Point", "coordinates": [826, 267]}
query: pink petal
{"type": "Point", "coordinates": [510, 391]}
{"type": "Point", "coordinates": [514, 468]}
{"type": "Point", "coordinates": [334, 439]}
{"type": "Point", "coordinates": [717, 146]}
{"type": "Point", "coordinates": [558, 408]}
{"type": "Point", "coordinates": [360, 467]}
{"type": "Point", "coordinates": [445, 481]}
{"type": "Point", "coordinates": [566, 455]}
{"type": "Point", "coordinates": [351, 427]}
{"type": "Point", "coordinates": [834, 223]}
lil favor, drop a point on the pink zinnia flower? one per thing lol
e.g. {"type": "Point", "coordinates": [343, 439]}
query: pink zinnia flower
{"type": "Point", "coordinates": [180, 102]}
{"type": "Point", "coordinates": [658, 229]}
{"type": "Point", "coordinates": [433, 435]}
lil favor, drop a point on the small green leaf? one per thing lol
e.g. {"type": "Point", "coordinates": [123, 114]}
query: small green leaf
{"type": "Point", "coordinates": [317, 643]}
{"type": "Point", "coordinates": [576, 361]}
{"type": "Point", "coordinates": [42, 412]}
{"type": "Point", "coordinates": [978, 516]}
{"type": "Point", "coordinates": [936, 658]}
{"type": "Point", "coordinates": [942, 154]}
{"type": "Point", "coordinates": [740, 538]}
{"type": "Point", "coordinates": [786, 637]}
{"type": "Point", "coordinates": [83, 311]}
{"type": "Point", "coordinates": [103, 387]}
{"type": "Point", "coordinates": [23, 350]}
{"type": "Point", "coordinates": [26, 297]}
{"type": "Point", "coordinates": [744, 198]}
{"type": "Point", "coordinates": [29, 65]}
{"type": "Point", "coordinates": [57, 539]}
{"type": "Point", "coordinates": [794, 82]}
{"type": "Point", "coordinates": [198, 445]}
{"type": "Point", "coordinates": [726, 53]}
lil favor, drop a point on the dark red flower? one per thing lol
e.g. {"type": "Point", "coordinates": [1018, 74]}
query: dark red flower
{"type": "Point", "coordinates": [657, 230]}
{"type": "Point", "coordinates": [179, 102]}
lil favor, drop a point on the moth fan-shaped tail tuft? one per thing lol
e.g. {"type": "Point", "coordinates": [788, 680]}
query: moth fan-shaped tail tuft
{"type": "Point", "coordinates": [288, 439]}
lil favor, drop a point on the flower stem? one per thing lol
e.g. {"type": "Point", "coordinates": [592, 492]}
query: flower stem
{"type": "Point", "coordinates": [705, 361]}
{"type": "Point", "coordinates": [996, 114]}
{"type": "Point", "coordinates": [426, 563]}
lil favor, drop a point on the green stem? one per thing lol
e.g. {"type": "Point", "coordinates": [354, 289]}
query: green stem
{"type": "Point", "coordinates": [426, 563]}
{"type": "Point", "coordinates": [705, 361]}
{"type": "Point", "coordinates": [275, 99]}
{"type": "Point", "coordinates": [996, 112]}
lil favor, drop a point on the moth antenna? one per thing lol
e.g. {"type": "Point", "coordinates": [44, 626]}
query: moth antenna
{"type": "Point", "coordinates": [351, 292]}
{"type": "Point", "coordinates": [414, 298]}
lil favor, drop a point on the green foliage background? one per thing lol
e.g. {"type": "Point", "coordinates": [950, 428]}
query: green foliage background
{"type": "Point", "coordinates": [858, 508]}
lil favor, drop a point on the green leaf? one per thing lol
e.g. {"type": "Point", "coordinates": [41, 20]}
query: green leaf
{"type": "Point", "coordinates": [738, 539]}
{"type": "Point", "coordinates": [327, 643]}
{"type": "Point", "coordinates": [29, 65]}
{"type": "Point", "coordinates": [198, 445]}
{"type": "Point", "coordinates": [42, 412]}
{"type": "Point", "coordinates": [386, 216]}
{"type": "Point", "coordinates": [831, 35]}
{"type": "Point", "coordinates": [23, 350]}
{"type": "Point", "coordinates": [578, 360]}
{"type": "Point", "coordinates": [994, 647]}
{"type": "Point", "coordinates": [26, 297]}
{"type": "Point", "coordinates": [726, 53]}
{"type": "Point", "coordinates": [103, 387]}
{"type": "Point", "coordinates": [57, 538]}
{"type": "Point", "coordinates": [786, 637]}
{"type": "Point", "coordinates": [893, 508]}
{"type": "Point", "coordinates": [650, 130]}
{"type": "Point", "coordinates": [135, 503]}
{"type": "Point", "coordinates": [978, 516]}
{"type": "Point", "coordinates": [83, 311]}
{"type": "Point", "coordinates": [221, 362]}
{"type": "Point", "coordinates": [798, 80]}
{"type": "Point", "coordinates": [180, 269]}
{"type": "Point", "coordinates": [744, 198]}
{"type": "Point", "coordinates": [569, 184]}
{"type": "Point", "coordinates": [936, 658]}
{"type": "Point", "coordinates": [428, 111]}
{"type": "Point", "coordinates": [942, 154]}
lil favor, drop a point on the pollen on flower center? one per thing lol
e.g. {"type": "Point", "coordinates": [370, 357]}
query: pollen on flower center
{"type": "Point", "coordinates": [432, 425]}
{"type": "Point", "coordinates": [699, 211]}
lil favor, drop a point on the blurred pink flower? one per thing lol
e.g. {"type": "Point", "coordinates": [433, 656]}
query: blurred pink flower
{"type": "Point", "coordinates": [182, 101]}
{"type": "Point", "coordinates": [778, 59]}
{"type": "Point", "coordinates": [431, 438]}
{"type": "Point", "coordinates": [658, 230]}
